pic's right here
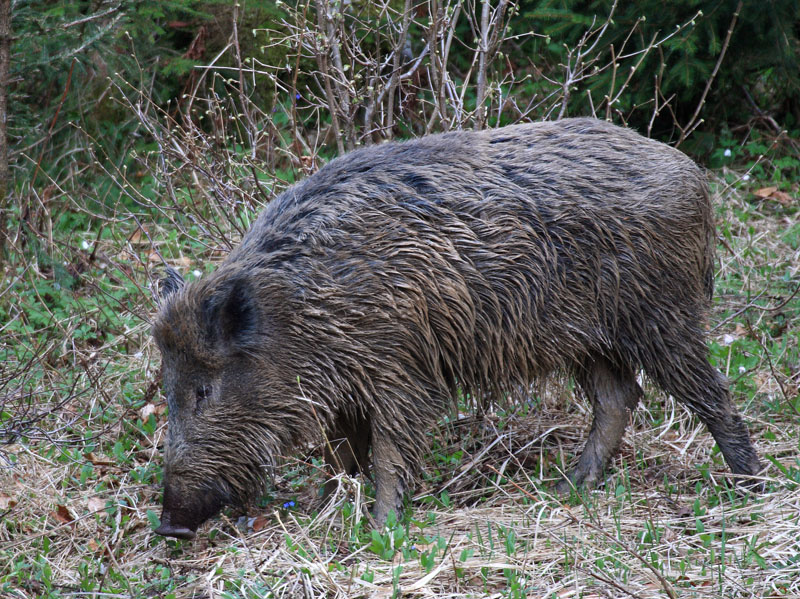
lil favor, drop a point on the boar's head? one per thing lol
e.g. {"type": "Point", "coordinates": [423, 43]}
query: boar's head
{"type": "Point", "coordinates": [228, 412]}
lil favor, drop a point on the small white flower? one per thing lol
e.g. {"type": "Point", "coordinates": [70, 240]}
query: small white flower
{"type": "Point", "coordinates": [728, 339]}
{"type": "Point", "coordinates": [745, 177]}
{"type": "Point", "coordinates": [84, 245]}
{"type": "Point", "coordinates": [196, 273]}
{"type": "Point", "coordinates": [742, 369]}
{"type": "Point", "coordinates": [727, 153]}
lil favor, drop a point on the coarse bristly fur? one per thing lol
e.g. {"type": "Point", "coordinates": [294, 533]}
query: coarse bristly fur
{"type": "Point", "coordinates": [367, 296]}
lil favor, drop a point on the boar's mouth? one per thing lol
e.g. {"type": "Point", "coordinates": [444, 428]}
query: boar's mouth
{"type": "Point", "coordinates": [185, 510]}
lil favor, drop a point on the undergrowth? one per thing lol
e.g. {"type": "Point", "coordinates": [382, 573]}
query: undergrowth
{"type": "Point", "coordinates": [82, 419]}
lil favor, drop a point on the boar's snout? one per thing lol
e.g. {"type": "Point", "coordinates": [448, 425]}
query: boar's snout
{"type": "Point", "coordinates": [167, 529]}
{"type": "Point", "coordinates": [187, 508]}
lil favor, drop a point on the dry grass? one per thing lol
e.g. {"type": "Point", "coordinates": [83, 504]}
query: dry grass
{"type": "Point", "coordinates": [81, 490]}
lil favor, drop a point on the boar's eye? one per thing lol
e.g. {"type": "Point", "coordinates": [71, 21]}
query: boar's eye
{"type": "Point", "coordinates": [202, 394]}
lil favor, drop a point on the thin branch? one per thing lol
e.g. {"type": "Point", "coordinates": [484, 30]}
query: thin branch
{"type": "Point", "coordinates": [695, 121]}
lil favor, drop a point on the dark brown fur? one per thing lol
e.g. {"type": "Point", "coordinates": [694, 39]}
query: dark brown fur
{"type": "Point", "coordinates": [368, 295]}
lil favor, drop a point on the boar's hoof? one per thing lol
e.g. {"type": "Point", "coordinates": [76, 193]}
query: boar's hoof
{"type": "Point", "coordinates": [565, 486]}
{"type": "Point", "coordinates": [578, 479]}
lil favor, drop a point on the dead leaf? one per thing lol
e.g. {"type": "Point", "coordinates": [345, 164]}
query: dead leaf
{"type": "Point", "coordinates": [136, 237]}
{"type": "Point", "coordinates": [260, 523]}
{"type": "Point", "coordinates": [96, 504]}
{"type": "Point", "coordinates": [183, 262]}
{"type": "Point", "coordinates": [7, 502]}
{"type": "Point", "coordinates": [152, 408]}
{"type": "Point", "coordinates": [62, 514]}
{"type": "Point", "coordinates": [765, 192]}
{"type": "Point", "coordinates": [146, 410]}
{"type": "Point", "coordinates": [308, 164]}
{"type": "Point", "coordinates": [47, 193]}
{"type": "Point", "coordinates": [782, 198]}
{"type": "Point", "coordinates": [772, 193]}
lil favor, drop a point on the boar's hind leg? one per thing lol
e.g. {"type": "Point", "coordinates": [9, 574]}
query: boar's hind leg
{"type": "Point", "coordinates": [690, 378]}
{"type": "Point", "coordinates": [614, 393]}
{"type": "Point", "coordinates": [390, 470]}
{"type": "Point", "coordinates": [346, 449]}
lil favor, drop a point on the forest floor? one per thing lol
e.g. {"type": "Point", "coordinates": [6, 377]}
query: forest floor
{"type": "Point", "coordinates": [80, 484]}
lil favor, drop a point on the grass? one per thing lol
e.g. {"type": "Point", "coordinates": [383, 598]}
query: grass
{"type": "Point", "coordinates": [82, 420]}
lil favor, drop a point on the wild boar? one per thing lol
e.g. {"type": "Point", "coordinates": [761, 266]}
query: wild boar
{"type": "Point", "coordinates": [367, 297]}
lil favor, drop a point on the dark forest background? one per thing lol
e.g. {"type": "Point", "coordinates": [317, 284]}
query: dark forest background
{"type": "Point", "coordinates": [77, 70]}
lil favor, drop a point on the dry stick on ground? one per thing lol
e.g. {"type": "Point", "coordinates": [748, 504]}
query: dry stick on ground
{"type": "Point", "coordinates": [695, 121]}
{"type": "Point", "coordinates": [752, 305]}
{"type": "Point", "coordinates": [780, 132]}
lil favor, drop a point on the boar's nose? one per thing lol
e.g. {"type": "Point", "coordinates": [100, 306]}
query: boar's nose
{"type": "Point", "coordinates": [184, 509]}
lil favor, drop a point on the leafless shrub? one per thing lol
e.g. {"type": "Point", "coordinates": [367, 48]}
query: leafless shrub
{"type": "Point", "coordinates": [352, 73]}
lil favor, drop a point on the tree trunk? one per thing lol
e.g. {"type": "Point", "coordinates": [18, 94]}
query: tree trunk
{"type": "Point", "coordinates": [5, 59]}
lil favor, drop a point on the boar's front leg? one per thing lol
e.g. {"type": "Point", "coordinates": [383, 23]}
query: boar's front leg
{"type": "Point", "coordinates": [614, 394]}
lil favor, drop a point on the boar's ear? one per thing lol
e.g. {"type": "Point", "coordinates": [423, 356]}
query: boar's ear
{"type": "Point", "coordinates": [171, 282]}
{"type": "Point", "coordinates": [230, 314]}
